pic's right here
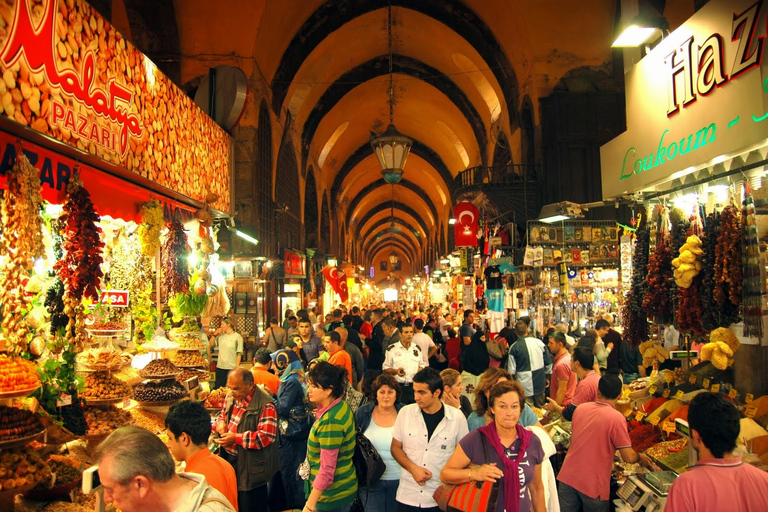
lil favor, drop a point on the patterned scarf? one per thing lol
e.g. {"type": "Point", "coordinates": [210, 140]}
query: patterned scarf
{"type": "Point", "coordinates": [511, 479]}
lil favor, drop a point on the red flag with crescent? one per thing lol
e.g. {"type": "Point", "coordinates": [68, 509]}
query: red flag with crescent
{"type": "Point", "coordinates": [331, 274]}
{"type": "Point", "coordinates": [467, 221]}
{"type": "Point", "coordinates": [343, 291]}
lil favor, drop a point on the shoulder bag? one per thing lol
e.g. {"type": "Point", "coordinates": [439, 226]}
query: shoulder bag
{"type": "Point", "coordinates": [470, 496]}
{"type": "Point", "coordinates": [368, 463]}
{"type": "Point", "coordinates": [297, 425]}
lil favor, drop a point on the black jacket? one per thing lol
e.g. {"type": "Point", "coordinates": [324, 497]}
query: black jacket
{"type": "Point", "coordinates": [365, 412]}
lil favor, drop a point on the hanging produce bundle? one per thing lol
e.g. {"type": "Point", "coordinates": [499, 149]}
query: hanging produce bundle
{"type": "Point", "coordinates": [688, 264]}
{"type": "Point", "coordinates": [637, 324]}
{"type": "Point", "coordinates": [713, 316]}
{"type": "Point", "coordinates": [80, 268]}
{"type": "Point", "coordinates": [728, 261]}
{"type": "Point", "coordinates": [151, 224]}
{"type": "Point", "coordinates": [752, 286]}
{"type": "Point", "coordinates": [22, 241]}
{"type": "Point", "coordinates": [690, 311]}
{"type": "Point", "coordinates": [656, 302]}
{"type": "Point", "coordinates": [175, 260]}
{"type": "Point", "coordinates": [721, 347]}
{"type": "Point", "coordinates": [679, 234]}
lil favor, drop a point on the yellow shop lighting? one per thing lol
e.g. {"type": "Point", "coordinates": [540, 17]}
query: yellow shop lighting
{"type": "Point", "coordinates": [242, 232]}
{"type": "Point", "coordinates": [639, 31]}
{"type": "Point", "coordinates": [557, 212]}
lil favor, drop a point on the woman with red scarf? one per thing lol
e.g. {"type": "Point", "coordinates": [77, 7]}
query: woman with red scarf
{"type": "Point", "coordinates": [513, 452]}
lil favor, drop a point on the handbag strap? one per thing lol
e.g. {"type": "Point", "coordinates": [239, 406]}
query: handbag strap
{"type": "Point", "coordinates": [485, 448]}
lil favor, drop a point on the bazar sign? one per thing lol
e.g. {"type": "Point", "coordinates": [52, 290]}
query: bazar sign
{"type": "Point", "coordinates": [294, 264]}
{"type": "Point", "coordinates": [698, 63]}
{"type": "Point", "coordinates": [110, 195]}
{"type": "Point", "coordinates": [68, 74]}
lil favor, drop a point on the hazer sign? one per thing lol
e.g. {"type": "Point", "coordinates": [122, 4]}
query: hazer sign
{"type": "Point", "coordinates": [698, 95]}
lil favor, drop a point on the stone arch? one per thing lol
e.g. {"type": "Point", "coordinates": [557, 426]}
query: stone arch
{"type": "Point", "coordinates": [266, 206]}
{"type": "Point", "coordinates": [288, 198]}
{"type": "Point", "coordinates": [324, 242]}
{"type": "Point", "coordinates": [527, 133]}
{"type": "Point", "coordinates": [310, 210]}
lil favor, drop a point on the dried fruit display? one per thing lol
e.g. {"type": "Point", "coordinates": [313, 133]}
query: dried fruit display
{"type": "Point", "coordinates": [690, 310]}
{"type": "Point", "coordinates": [728, 261]}
{"type": "Point", "coordinates": [22, 468]}
{"type": "Point", "coordinates": [658, 282]}
{"type": "Point", "coordinates": [637, 322]}
{"type": "Point", "coordinates": [216, 398]}
{"type": "Point", "coordinates": [54, 303]}
{"type": "Point", "coordinates": [148, 420]}
{"type": "Point", "coordinates": [80, 269]}
{"type": "Point", "coordinates": [73, 416]}
{"type": "Point", "coordinates": [67, 469]}
{"type": "Point", "coordinates": [151, 224]}
{"type": "Point", "coordinates": [159, 368]}
{"type": "Point", "coordinates": [713, 315]}
{"type": "Point", "coordinates": [159, 391]}
{"type": "Point", "coordinates": [187, 374]}
{"type": "Point", "coordinates": [104, 386]}
{"type": "Point", "coordinates": [752, 285]}
{"type": "Point", "coordinates": [174, 257]}
{"type": "Point", "coordinates": [17, 423]}
{"type": "Point", "coordinates": [22, 239]}
{"type": "Point", "coordinates": [188, 359]}
{"type": "Point", "coordinates": [104, 419]}
{"type": "Point", "coordinates": [17, 374]}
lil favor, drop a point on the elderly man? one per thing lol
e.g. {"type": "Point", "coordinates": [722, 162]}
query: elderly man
{"type": "Point", "coordinates": [247, 425]}
{"type": "Point", "coordinates": [138, 473]}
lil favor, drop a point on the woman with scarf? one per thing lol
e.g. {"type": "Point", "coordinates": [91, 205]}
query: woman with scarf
{"type": "Point", "coordinates": [515, 454]}
{"type": "Point", "coordinates": [287, 489]}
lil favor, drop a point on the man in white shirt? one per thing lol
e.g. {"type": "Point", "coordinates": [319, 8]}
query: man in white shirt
{"type": "Point", "coordinates": [404, 360]}
{"type": "Point", "coordinates": [426, 434]}
{"type": "Point", "coordinates": [423, 340]}
{"type": "Point", "coordinates": [230, 347]}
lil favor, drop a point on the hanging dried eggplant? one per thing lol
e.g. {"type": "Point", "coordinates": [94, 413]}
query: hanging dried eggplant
{"type": "Point", "coordinates": [637, 321]}
{"type": "Point", "coordinates": [752, 287]}
{"type": "Point", "coordinates": [658, 280]}
{"type": "Point", "coordinates": [713, 316]}
{"type": "Point", "coordinates": [175, 263]}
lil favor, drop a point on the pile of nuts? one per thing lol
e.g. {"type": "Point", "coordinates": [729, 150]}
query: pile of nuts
{"type": "Point", "coordinates": [159, 368]}
{"type": "Point", "coordinates": [190, 343]}
{"type": "Point", "coordinates": [148, 420]}
{"type": "Point", "coordinates": [103, 420]}
{"type": "Point", "coordinates": [189, 358]}
{"type": "Point", "coordinates": [104, 386]}
{"type": "Point", "coordinates": [67, 470]}
{"type": "Point", "coordinates": [16, 423]}
{"type": "Point", "coordinates": [202, 376]}
{"type": "Point", "coordinates": [22, 467]}
{"type": "Point", "coordinates": [159, 391]}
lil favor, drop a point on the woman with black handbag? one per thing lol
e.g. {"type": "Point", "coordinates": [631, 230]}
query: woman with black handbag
{"type": "Point", "coordinates": [286, 491]}
{"type": "Point", "coordinates": [495, 452]}
{"type": "Point", "coordinates": [376, 421]}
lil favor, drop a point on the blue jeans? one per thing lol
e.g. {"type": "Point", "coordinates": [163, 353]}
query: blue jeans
{"type": "Point", "coordinates": [380, 497]}
{"type": "Point", "coordinates": [629, 377]}
{"type": "Point", "coordinates": [572, 500]}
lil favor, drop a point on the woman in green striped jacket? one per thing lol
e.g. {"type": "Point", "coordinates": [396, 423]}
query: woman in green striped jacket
{"type": "Point", "coordinates": [332, 483]}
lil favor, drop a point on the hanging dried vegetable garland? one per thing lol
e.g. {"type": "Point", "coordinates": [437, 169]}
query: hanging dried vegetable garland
{"type": "Point", "coordinates": [728, 272]}
{"type": "Point", "coordinates": [175, 264]}
{"type": "Point", "coordinates": [22, 241]}
{"type": "Point", "coordinates": [151, 224]}
{"type": "Point", "coordinates": [752, 289]}
{"type": "Point", "coordinates": [679, 234]}
{"type": "Point", "coordinates": [690, 311]}
{"type": "Point", "coordinates": [712, 316]}
{"type": "Point", "coordinates": [658, 280]}
{"type": "Point", "coordinates": [637, 323]}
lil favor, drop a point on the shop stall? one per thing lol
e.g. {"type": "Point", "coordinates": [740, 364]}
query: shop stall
{"type": "Point", "coordinates": [110, 180]}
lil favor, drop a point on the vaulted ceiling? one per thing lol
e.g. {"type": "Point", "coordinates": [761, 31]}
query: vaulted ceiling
{"type": "Point", "coordinates": [462, 71]}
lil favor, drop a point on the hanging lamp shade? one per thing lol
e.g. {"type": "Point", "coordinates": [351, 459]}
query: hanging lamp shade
{"type": "Point", "coordinates": [393, 257]}
{"type": "Point", "coordinates": [391, 148]}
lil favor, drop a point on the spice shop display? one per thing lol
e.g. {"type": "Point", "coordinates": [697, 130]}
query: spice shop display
{"type": "Point", "coordinates": [148, 420]}
{"type": "Point", "coordinates": [18, 377]}
{"type": "Point", "coordinates": [102, 420]}
{"type": "Point", "coordinates": [21, 469]}
{"type": "Point", "coordinates": [67, 474]}
{"type": "Point", "coordinates": [103, 359]}
{"type": "Point", "coordinates": [188, 359]}
{"type": "Point", "coordinates": [103, 386]}
{"type": "Point", "coordinates": [187, 373]}
{"type": "Point", "coordinates": [159, 392]}
{"type": "Point", "coordinates": [160, 369]}
{"type": "Point", "coordinates": [175, 255]}
{"type": "Point", "coordinates": [636, 330]}
{"type": "Point", "coordinates": [18, 424]}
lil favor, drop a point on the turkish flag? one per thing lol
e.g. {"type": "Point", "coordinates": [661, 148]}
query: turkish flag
{"type": "Point", "coordinates": [343, 291]}
{"type": "Point", "coordinates": [467, 221]}
{"type": "Point", "coordinates": [332, 276]}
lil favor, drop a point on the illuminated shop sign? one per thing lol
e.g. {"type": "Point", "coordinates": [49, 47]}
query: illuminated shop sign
{"type": "Point", "coordinates": [67, 73]}
{"type": "Point", "coordinates": [294, 264]}
{"type": "Point", "coordinates": [698, 95]}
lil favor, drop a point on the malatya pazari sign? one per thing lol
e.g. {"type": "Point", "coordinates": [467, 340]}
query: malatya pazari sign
{"type": "Point", "coordinates": [67, 73]}
{"type": "Point", "coordinates": [700, 94]}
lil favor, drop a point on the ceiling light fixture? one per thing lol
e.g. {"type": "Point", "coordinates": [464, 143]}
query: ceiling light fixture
{"type": "Point", "coordinates": [391, 147]}
{"type": "Point", "coordinates": [560, 211]}
{"type": "Point", "coordinates": [639, 31]}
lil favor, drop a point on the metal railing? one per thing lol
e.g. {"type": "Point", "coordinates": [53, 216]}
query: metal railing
{"type": "Point", "coordinates": [512, 174]}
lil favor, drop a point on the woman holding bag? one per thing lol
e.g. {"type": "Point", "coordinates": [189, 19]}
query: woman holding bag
{"type": "Point", "coordinates": [287, 489]}
{"type": "Point", "coordinates": [274, 336]}
{"type": "Point", "coordinates": [377, 422]}
{"type": "Point", "coordinates": [512, 451]}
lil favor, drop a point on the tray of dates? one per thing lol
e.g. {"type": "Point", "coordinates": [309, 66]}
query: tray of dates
{"type": "Point", "coordinates": [160, 369]}
{"type": "Point", "coordinates": [18, 426]}
{"type": "Point", "coordinates": [18, 377]}
{"type": "Point", "coordinates": [104, 388]}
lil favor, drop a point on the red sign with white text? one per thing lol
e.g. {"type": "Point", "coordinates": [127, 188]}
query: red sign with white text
{"type": "Point", "coordinates": [114, 298]}
{"type": "Point", "coordinates": [67, 73]}
{"type": "Point", "coordinates": [294, 264]}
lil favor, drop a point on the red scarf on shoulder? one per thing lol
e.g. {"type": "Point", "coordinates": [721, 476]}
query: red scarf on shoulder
{"type": "Point", "coordinates": [511, 471]}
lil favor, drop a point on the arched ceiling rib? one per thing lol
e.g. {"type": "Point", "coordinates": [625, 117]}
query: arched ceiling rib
{"type": "Point", "coordinates": [404, 236]}
{"type": "Point", "coordinates": [378, 67]}
{"type": "Point", "coordinates": [381, 222]}
{"type": "Point", "coordinates": [383, 196]}
{"type": "Point", "coordinates": [387, 243]}
{"type": "Point", "coordinates": [384, 223]}
{"type": "Point", "coordinates": [385, 206]}
{"type": "Point", "coordinates": [370, 190]}
{"type": "Point", "coordinates": [334, 14]}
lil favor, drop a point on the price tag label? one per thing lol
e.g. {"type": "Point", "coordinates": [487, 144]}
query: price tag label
{"type": "Point", "coordinates": [733, 393]}
{"type": "Point", "coordinates": [668, 427]}
{"type": "Point", "coordinates": [705, 383]}
{"type": "Point", "coordinates": [64, 400]}
{"type": "Point", "coordinates": [749, 398]}
{"type": "Point", "coordinates": [654, 420]}
{"type": "Point", "coordinates": [627, 413]}
{"type": "Point", "coordinates": [127, 402]}
{"type": "Point", "coordinates": [665, 394]}
{"type": "Point", "coordinates": [692, 379]}
{"type": "Point", "coordinates": [625, 393]}
{"type": "Point", "coordinates": [652, 389]}
{"type": "Point", "coordinates": [669, 377]}
{"type": "Point", "coordinates": [654, 373]}
{"type": "Point", "coordinates": [639, 416]}
{"type": "Point", "coordinates": [679, 394]}
{"type": "Point", "coordinates": [715, 388]}
{"type": "Point", "coordinates": [750, 411]}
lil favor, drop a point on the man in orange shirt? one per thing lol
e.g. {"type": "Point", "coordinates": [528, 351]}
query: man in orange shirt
{"type": "Point", "coordinates": [339, 356]}
{"type": "Point", "coordinates": [188, 426]}
{"type": "Point", "coordinates": [260, 370]}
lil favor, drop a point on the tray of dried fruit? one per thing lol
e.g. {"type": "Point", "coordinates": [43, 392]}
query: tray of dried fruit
{"type": "Point", "coordinates": [160, 369]}
{"type": "Point", "coordinates": [164, 403]}
{"type": "Point", "coordinates": [21, 469]}
{"type": "Point", "coordinates": [21, 441]}
{"type": "Point", "coordinates": [102, 359]}
{"type": "Point", "coordinates": [103, 388]}
{"type": "Point", "coordinates": [19, 393]}
{"type": "Point", "coordinates": [19, 426]}
{"type": "Point", "coordinates": [190, 345]}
